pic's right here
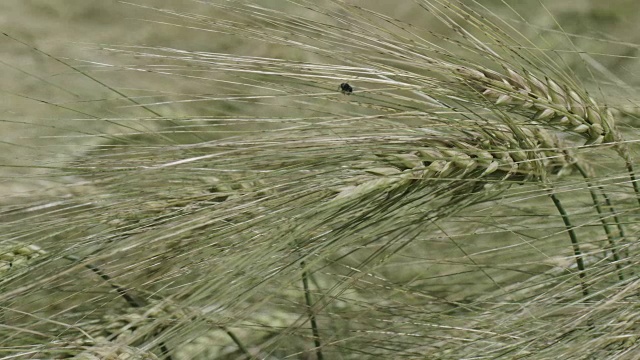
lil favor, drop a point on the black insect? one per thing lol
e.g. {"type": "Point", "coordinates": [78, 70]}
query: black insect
{"type": "Point", "coordinates": [346, 89]}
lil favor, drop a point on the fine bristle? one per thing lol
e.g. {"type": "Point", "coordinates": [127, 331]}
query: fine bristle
{"type": "Point", "coordinates": [259, 179]}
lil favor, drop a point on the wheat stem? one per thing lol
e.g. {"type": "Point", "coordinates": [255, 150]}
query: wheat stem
{"type": "Point", "coordinates": [605, 225]}
{"type": "Point", "coordinates": [119, 289]}
{"type": "Point", "coordinates": [312, 315]}
{"type": "Point", "coordinates": [574, 242]}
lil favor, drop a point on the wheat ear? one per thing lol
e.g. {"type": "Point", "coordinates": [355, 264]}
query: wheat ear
{"type": "Point", "coordinates": [544, 100]}
{"type": "Point", "coordinates": [16, 256]}
{"type": "Point", "coordinates": [491, 155]}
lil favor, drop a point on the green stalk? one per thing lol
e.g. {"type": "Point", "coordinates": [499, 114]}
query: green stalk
{"type": "Point", "coordinates": [605, 225]}
{"type": "Point", "coordinates": [574, 242]}
{"type": "Point", "coordinates": [312, 316]}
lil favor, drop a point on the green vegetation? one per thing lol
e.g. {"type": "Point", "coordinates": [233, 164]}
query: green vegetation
{"type": "Point", "coordinates": [205, 187]}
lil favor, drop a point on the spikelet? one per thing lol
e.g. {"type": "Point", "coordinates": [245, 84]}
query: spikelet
{"type": "Point", "coordinates": [113, 351]}
{"type": "Point", "coordinates": [16, 256]}
{"type": "Point", "coordinates": [544, 101]}
{"type": "Point", "coordinates": [493, 155]}
{"type": "Point", "coordinates": [123, 328]}
{"type": "Point", "coordinates": [116, 336]}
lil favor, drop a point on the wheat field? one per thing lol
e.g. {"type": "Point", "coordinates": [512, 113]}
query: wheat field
{"type": "Point", "coordinates": [258, 179]}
